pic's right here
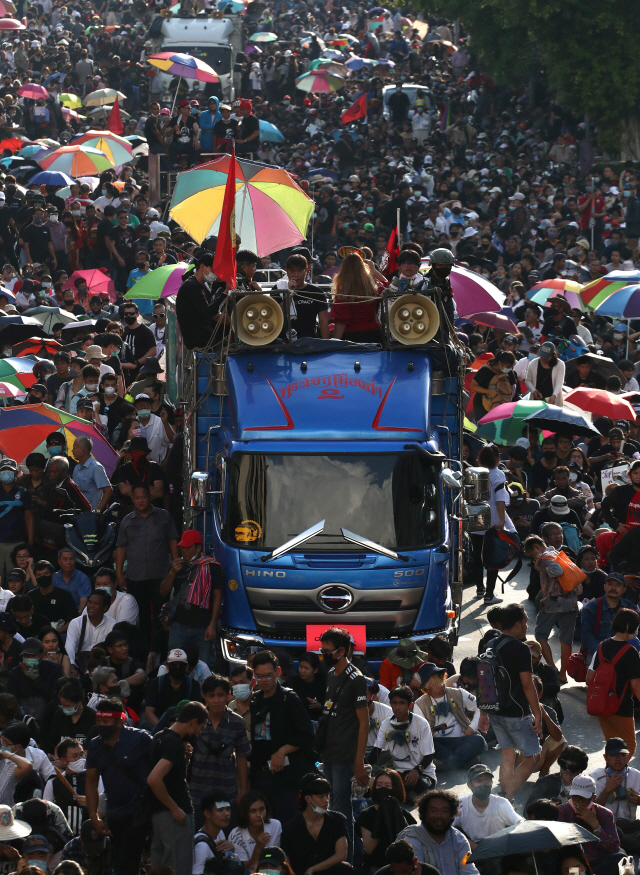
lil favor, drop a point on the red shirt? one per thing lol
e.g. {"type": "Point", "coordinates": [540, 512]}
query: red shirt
{"type": "Point", "coordinates": [597, 203]}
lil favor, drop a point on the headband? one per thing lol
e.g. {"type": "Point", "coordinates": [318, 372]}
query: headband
{"type": "Point", "coordinates": [111, 715]}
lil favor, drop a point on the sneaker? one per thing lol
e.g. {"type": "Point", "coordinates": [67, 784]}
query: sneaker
{"type": "Point", "coordinates": [492, 600]}
{"type": "Point", "coordinates": [479, 593]}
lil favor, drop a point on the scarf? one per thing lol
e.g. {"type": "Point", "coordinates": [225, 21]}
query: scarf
{"type": "Point", "coordinates": [200, 592]}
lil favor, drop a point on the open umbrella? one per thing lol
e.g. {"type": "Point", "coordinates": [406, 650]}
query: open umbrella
{"type": "Point", "coordinates": [331, 66]}
{"type": "Point", "coordinates": [103, 112]}
{"type": "Point", "coordinates": [269, 133]}
{"type": "Point", "coordinates": [77, 161]}
{"type": "Point", "coordinates": [472, 292]}
{"type": "Point", "coordinates": [33, 92]}
{"type": "Point", "coordinates": [272, 212]}
{"type": "Point", "coordinates": [621, 304]}
{"type": "Point", "coordinates": [601, 365]}
{"type": "Point", "coordinates": [542, 296]}
{"type": "Point", "coordinates": [597, 291]}
{"type": "Point", "coordinates": [50, 317]}
{"type": "Point", "coordinates": [71, 100]}
{"type": "Point", "coordinates": [18, 372]}
{"type": "Point", "coordinates": [36, 346]}
{"type": "Point", "coordinates": [494, 320]}
{"type": "Point", "coordinates": [504, 424]}
{"type": "Point", "coordinates": [13, 144]}
{"type": "Point", "coordinates": [356, 63]}
{"type": "Point", "coordinates": [98, 283]}
{"type": "Point", "coordinates": [184, 66]}
{"type": "Point", "coordinates": [11, 24]}
{"type": "Point", "coordinates": [531, 835]}
{"type": "Point", "coordinates": [558, 283]}
{"type": "Point", "coordinates": [7, 6]}
{"type": "Point", "coordinates": [601, 403]}
{"type": "Point", "coordinates": [8, 390]}
{"type": "Point", "coordinates": [102, 97]}
{"type": "Point", "coordinates": [159, 283]}
{"type": "Point", "coordinates": [23, 429]}
{"type": "Point", "coordinates": [263, 37]}
{"type": "Point", "coordinates": [116, 148]}
{"type": "Point", "coordinates": [565, 420]}
{"type": "Point", "coordinates": [51, 177]}
{"type": "Point", "coordinates": [13, 329]}
{"type": "Point", "coordinates": [319, 82]}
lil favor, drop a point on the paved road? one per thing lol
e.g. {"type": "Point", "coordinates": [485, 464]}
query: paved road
{"type": "Point", "coordinates": [578, 727]}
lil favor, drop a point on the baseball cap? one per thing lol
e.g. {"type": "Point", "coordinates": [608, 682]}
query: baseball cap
{"type": "Point", "coordinates": [477, 770]}
{"type": "Point", "coordinates": [35, 843]}
{"type": "Point", "coordinates": [183, 102]}
{"type": "Point", "coordinates": [91, 839]}
{"type": "Point", "coordinates": [559, 505]}
{"type": "Point", "coordinates": [17, 574]}
{"type": "Point", "coordinates": [615, 746]}
{"type": "Point", "coordinates": [272, 854]}
{"type": "Point", "coordinates": [142, 397]}
{"type": "Point", "coordinates": [547, 349]}
{"type": "Point", "coordinates": [583, 785]}
{"type": "Point", "coordinates": [84, 404]}
{"type": "Point", "coordinates": [517, 196]}
{"type": "Point", "coordinates": [177, 655]}
{"type": "Point", "coordinates": [32, 645]}
{"type": "Point", "coordinates": [427, 670]}
{"type": "Point", "coordinates": [615, 576]}
{"type": "Point", "coordinates": [8, 464]}
{"type": "Point", "coordinates": [189, 538]}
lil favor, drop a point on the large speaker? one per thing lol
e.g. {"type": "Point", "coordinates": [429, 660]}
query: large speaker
{"type": "Point", "coordinates": [259, 319]}
{"type": "Point", "coordinates": [413, 319]}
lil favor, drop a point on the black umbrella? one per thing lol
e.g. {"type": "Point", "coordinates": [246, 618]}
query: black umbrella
{"type": "Point", "coordinates": [562, 419]}
{"type": "Point", "coordinates": [600, 365]}
{"type": "Point", "coordinates": [531, 835]}
{"type": "Point", "coordinates": [13, 329]}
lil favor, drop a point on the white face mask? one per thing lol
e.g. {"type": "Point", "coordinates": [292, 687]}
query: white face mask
{"type": "Point", "coordinates": [209, 277]}
{"type": "Point", "coordinates": [241, 691]}
{"type": "Point", "coordinates": [109, 390]}
{"type": "Point", "coordinates": [91, 387]}
{"type": "Point", "coordinates": [78, 765]}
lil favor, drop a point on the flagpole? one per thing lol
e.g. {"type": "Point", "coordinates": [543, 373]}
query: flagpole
{"type": "Point", "coordinates": [398, 226]}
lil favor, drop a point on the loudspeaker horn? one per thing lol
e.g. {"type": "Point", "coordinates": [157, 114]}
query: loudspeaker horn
{"type": "Point", "coordinates": [259, 319]}
{"type": "Point", "coordinates": [166, 13]}
{"type": "Point", "coordinates": [413, 319]}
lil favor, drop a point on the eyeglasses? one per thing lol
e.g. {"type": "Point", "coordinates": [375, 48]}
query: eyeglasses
{"type": "Point", "coordinates": [159, 315]}
{"type": "Point", "coordinates": [265, 677]}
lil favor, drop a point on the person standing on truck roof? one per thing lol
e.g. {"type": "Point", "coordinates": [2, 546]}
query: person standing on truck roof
{"type": "Point", "coordinates": [186, 135]}
{"type": "Point", "coordinates": [225, 130]}
{"type": "Point", "coordinates": [195, 315]}
{"type": "Point", "coordinates": [248, 139]}
{"type": "Point", "coordinates": [309, 304]}
{"type": "Point", "coordinates": [207, 121]}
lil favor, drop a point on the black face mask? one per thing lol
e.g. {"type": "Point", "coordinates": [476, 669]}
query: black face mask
{"type": "Point", "coordinates": [549, 454]}
{"type": "Point", "coordinates": [130, 320]}
{"type": "Point", "coordinates": [106, 731]}
{"type": "Point", "coordinates": [177, 670]}
{"type": "Point", "coordinates": [380, 794]}
{"type": "Point", "coordinates": [45, 580]}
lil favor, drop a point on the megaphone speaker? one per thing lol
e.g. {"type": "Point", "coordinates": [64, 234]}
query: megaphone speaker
{"type": "Point", "coordinates": [413, 319]}
{"type": "Point", "coordinates": [259, 319]}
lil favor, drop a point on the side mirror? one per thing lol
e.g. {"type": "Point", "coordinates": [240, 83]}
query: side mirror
{"type": "Point", "coordinates": [452, 479]}
{"type": "Point", "coordinates": [200, 489]}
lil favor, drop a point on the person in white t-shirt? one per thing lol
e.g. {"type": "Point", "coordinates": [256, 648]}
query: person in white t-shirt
{"type": "Point", "coordinates": [408, 739]}
{"type": "Point", "coordinates": [256, 830]}
{"type": "Point", "coordinates": [378, 713]}
{"type": "Point", "coordinates": [482, 814]}
{"type": "Point", "coordinates": [210, 841]}
{"type": "Point", "coordinates": [618, 789]}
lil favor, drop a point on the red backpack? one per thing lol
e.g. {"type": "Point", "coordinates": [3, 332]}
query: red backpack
{"type": "Point", "coordinates": [602, 700]}
{"type": "Point", "coordinates": [577, 665]}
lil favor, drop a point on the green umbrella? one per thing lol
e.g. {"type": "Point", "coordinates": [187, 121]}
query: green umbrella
{"type": "Point", "coordinates": [159, 283]}
{"type": "Point", "coordinates": [504, 424]}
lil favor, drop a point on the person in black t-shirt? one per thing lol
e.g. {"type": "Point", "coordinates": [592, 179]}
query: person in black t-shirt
{"type": "Point", "coordinates": [308, 302]}
{"type": "Point", "coordinates": [56, 604]}
{"type": "Point", "coordinates": [248, 133]}
{"type": "Point", "coordinates": [139, 338]}
{"type": "Point", "coordinates": [137, 472]}
{"type": "Point", "coordinates": [36, 240]}
{"type": "Point", "coordinates": [186, 134]}
{"type": "Point", "coordinates": [558, 322]}
{"type": "Point", "coordinates": [225, 130]}
{"type": "Point", "coordinates": [10, 649]}
{"type": "Point", "coordinates": [152, 130]}
{"type": "Point", "coordinates": [171, 688]}
{"type": "Point", "coordinates": [173, 820]}
{"type": "Point", "coordinates": [196, 316]}
{"type": "Point", "coordinates": [314, 837]}
{"type": "Point", "coordinates": [123, 237]}
{"type": "Point", "coordinates": [104, 248]}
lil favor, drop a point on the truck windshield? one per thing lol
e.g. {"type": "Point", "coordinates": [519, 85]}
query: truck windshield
{"type": "Point", "coordinates": [389, 498]}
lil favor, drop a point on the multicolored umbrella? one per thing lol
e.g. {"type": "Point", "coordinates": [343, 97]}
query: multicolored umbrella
{"type": "Point", "coordinates": [621, 304]}
{"type": "Point", "coordinates": [184, 66]}
{"type": "Point", "coordinates": [33, 92]}
{"type": "Point", "coordinates": [472, 292]}
{"type": "Point", "coordinates": [17, 372]}
{"type": "Point", "coordinates": [7, 7]}
{"type": "Point", "coordinates": [77, 161]}
{"type": "Point", "coordinates": [159, 283]}
{"type": "Point", "coordinates": [8, 390]}
{"type": "Point", "coordinates": [334, 67]}
{"type": "Point", "coordinates": [558, 284]}
{"type": "Point", "coordinates": [601, 403]}
{"type": "Point", "coordinates": [36, 346]}
{"type": "Point", "coordinates": [541, 296]}
{"type": "Point", "coordinates": [98, 283]}
{"type": "Point", "coordinates": [51, 177]}
{"type": "Point", "coordinates": [263, 37]}
{"type": "Point", "coordinates": [71, 100]}
{"type": "Point", "coordinates": [24, 429]}
{"type": "Point", "coordinates": [116, 148]}
{"type": "Point", "coordinates": [102, 97]}
{"type": "Point", "coordinates": [319, 82]}
{"type": "Point", "coordinates": [272, 212]}
{"type": "Point", "coordinates": [504, 424]}
{"type": "Point", "coordinates": [597, 291]}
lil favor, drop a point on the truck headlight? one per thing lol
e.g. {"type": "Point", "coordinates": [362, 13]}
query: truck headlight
{"type": "Point", "coordinates": [238, 648]}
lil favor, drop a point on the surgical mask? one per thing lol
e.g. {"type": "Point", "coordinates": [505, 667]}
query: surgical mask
{"type": "Point", "coordinates": [617, 335]}
{"type": "Point", "coordinates": [483, 792]}
{"type": "Point", "coordinates": [91, 387]}
{"type": "Point", "coordinates": [369, 209]}
{"type": "Point", "coordinates": [77, 766]}
{"type": "Point", "coordinates": [69, 712]}
{"type": "Point", "coordinates": [144, 414]}
{"type": "Point", "coordinates": [317, 810]}
{"type": "Point", "coordinates": [505, 370]}
{"type": "Point", "coordinates": [53, 218]}
{"type": "Point", "coordinates": [532, 356]}
{"type": "Point", "coordinates": [573, 476]}
{"type": "Point", "coordinates": [241, 691]}
{"type": "Point", "coordinates": [54, 451]}
{"type": "Point", "coordinates": [107, 731]}
{"type": "Point", "coordinates": [7, 476]}
{"type": "Point", "coordinates": [46, 286]}
{"type": "Point", "coordinates": [109, 390]}
{"type": "Point", "coordinates": [209, 277]}
{"type": "Point", "coordinates": [39, 864]}
{"type": "Point", "coordinates": [512, 206]}
{"type": "Point", "coordinates": [626, 194]}
{"type": "Point", "coordinates": [130, 320]}
{"type": "Point", "coordinates": [76, 212]}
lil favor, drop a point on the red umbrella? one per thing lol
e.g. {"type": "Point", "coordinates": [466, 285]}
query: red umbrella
{"type": "Point", "coordinates": [14, 144]}
{"type": "Point", "coordinates": [98, 283]}
{"type": "Point", "coordinates": [32, 91]}
{"type": "Point", "coordinates": [36, 346]}
{"type": "Point", "coordinates": [8, 390]}
{"type": "Point", "coordinates": [494, 320]}
{"type": "Point", "coordinates": [601, 402]}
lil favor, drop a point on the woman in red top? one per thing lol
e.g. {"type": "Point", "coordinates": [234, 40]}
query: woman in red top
{"type": "Point", "coordinates": [355, 299]}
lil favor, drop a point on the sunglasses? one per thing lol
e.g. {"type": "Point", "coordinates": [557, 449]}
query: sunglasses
{"type": "Point", "coordinates": [159, 315]}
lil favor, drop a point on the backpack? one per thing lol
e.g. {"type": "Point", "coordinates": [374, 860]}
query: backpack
{"type": "Point", "coordinates": [602, 699]}
{"type": "Point", "coordinates": [570, 536]}
{"type": "Point", "coordinates": [577, 662]}
{"type": "Point", "coordinates": [494, 683]}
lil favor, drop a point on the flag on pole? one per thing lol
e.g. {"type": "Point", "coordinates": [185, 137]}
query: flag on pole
{"type": "Point", "coordinates": [114, 122]}
{"type": "Point", "coordinates": [445, 115]}
{"type": "Point", "coordinates": [389, 260]}
{"type": "Point", "coordinates": [224, 261]}
{"type": "Point", "coordinates": [357, 110]}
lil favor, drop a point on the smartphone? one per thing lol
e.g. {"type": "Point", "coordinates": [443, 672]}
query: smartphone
{"type": "Point", "coordinates": [574, 870]}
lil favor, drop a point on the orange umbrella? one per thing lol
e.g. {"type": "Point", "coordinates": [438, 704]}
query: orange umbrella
{"type": "Point", "coordinates": [12, 143]}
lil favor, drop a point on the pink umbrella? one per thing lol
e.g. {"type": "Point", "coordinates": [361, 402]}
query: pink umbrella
{"type": "Point", "coordinates": [11, 24]}
{"type": "Point", "coordinates": [250, 49]}
{"type": "Point", "coordinates": [32, 91]}
{"type": "Point", "coordinates": [494, 320]}
{"type": "Point", "coordinates": [472, 292]}
{"type": "Point", "coordinates": [98, 283]}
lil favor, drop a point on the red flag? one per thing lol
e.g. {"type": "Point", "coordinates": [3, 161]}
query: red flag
{"type": "Point", "coordinates": [356, 110]}
{"type": "Point", "coordinates": [224, 261]}
{"type": "Point", "coordinates": [389, 260]}
{"type": "Point", "coordinates": [115, 119]}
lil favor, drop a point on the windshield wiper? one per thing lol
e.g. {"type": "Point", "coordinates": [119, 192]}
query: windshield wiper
{"type": "Point", "coordinates": [294, 542]}
{"type": "Point", "coordinates": [371, 545]}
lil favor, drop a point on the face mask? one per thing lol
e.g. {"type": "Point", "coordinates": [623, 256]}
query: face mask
{"type": "Point", "coordinates": [76, 213]}
{"type": "Point", "coordinates": [505, 370]}
{"type": "Point", "coordinates": [37, 220]}
{"type": "Point", "coordinates": [549, 454]}
{"type": "Point", "coordinates": [532, 356]}
{"type": "Point", "coordinates": [573, 477]}
{"type": "Point", "coordinates": [482, 793]}
{"type": "Point", "coordinates": [110, 390]}
{"type": "Point", "coordinates": [209, 277]}
{"type": "Point", "coordinates": [69, 712]}
{"type": "Point", "coordinates": [329, 660]}
{"type": "Point", "coordinates": [54, 451]}
{"type": "Point", "coordinates": [78, 766]}
{"type": "Point", "coordinates": [68, 302]}
{"type": "Point", "coordinates": [241, 691]}
{"type": "Point", "coordinates": [177, 670]}
{"type": "Point", "coordinates": [107, 731]}
{"type": "Point", "coordinates": [144, 414]}
{"type": "Point", "coordinates": [7, 476]}
{"type": "Point", "coordinates": [369, 209]}
{"type": "Point", "coordinates": [617, 336]}
{"type": "Point", "coordinates": [317, 810]}
{"type": "Point", "coordinates": [40, 864]}
{"type": "Point", "coordinates": [380, 794]}
{"type": "Point", "coordinates": [91, 387]}
{"type": "Point", "coordinates": [130, 320]}
{"type": "Point", "coordinates": [53, 218]}
{"type": "Point", "coordinates": [626, 194]}
{"type": "Point", "coordinates": [533, 206]}
{"type": "Point", "coordinates": [44, 581]}
{"type": "Point", "coordinates": [270, 871]}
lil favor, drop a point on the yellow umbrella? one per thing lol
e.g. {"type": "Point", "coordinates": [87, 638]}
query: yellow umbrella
{"type": "Point", "coordinates": [70, 100]}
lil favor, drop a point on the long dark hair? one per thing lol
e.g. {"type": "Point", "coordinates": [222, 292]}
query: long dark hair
{"type": "Point", "coordinates": [245, 804]}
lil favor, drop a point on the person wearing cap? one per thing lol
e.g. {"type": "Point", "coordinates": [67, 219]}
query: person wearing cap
{"type": "Point", "coordinates": [36, 851]}
{"type": "Point", "coordinates": [186, 134]}
{"type": "Point", "coordinates": [558, 323]}
{"type": "Point", "coordinates": [225, 130]}
{"type": "Point", "coordinates": [581, 808]}
{"type": "Point", "coordinates": [557, 511]}
{"type": "Point", "coordinates": [119, 755]}
{"type": "Point", "coordinates": [618, 789]}
{"type": "Point", "coordinates": [400, 666]}
{"type": "Point", "coordinates": [154, 428]}
{"type": "Point", "coordinates": [166, 691]}
{"type": "Point", "coordinates": [87, 848]}
{"type": "Point", "coordinates": [453, 717]}
{"type": "Point", "coordinates": [557, 785]}
{"type": "Point", "coordinates": [482, 813]}
{"type": "Point", "coordinates": [545, 375]}
{"type": "Point", "coordinates": [597, 616]}
{"type": "Point", "coordinates": [194, 587]}
{"type": "Point", "coordinates": [210, 841]}
{"type": "Point", "coordinates": [16, 516]}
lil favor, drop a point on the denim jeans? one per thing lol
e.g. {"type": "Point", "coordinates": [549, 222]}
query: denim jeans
{"type": "Point", "coordinates": [182, 636]}
{"type": "Point", "coordinates": [339, 776]}
{"type": "Point", "coordinates": [458, 753]}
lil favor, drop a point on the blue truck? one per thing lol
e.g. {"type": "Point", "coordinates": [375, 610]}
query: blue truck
{"type": "Point", "coordinates": [326, 478]}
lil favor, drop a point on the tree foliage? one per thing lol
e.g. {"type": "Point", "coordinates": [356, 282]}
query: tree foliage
{"type": "Point", "coordinates": [585, 49]}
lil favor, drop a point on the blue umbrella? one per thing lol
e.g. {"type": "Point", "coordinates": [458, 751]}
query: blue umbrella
{"type": "Point", "coordinates": [53, 78]}
{"type": "Point", "coordinates": [358, 63]}
{"type": "Point", "coordinates": [562, 419]}
{"type": "Point", "coordinates": [353, 134]}
{"type": "Point", "coordinates": [230, 5]}
{"type": "Point", "coordinates": [51, 177]}
{"type": "Point", "coordinates": [270, 133]}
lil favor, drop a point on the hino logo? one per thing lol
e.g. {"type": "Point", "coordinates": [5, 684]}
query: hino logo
{"type": "Point", "coordinates": [335, 598]}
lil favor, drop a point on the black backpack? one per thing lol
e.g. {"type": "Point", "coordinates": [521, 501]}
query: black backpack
{"type": "Point", "coordinates": [494, 683]}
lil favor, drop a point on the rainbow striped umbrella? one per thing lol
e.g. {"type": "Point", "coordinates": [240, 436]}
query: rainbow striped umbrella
{"type": "Point", "coordinates": [184, 66]}
{"type": "Point", "coordinates": [504, 424]}
{"type": "Point", "coordinates": [319, 81]}
{"type": "Point", "coordinates": [159, 283]}
{"type": "Point", "coordinates": [272, 212]}
{"type": "Point", "coordinates": [559, 285]}
{"type": "Point", "coordinates": [621, 304]}
{"type": "Point", "coordinates": [116, 148]}
{"type": "Point", "coordinates": [597, 291]}
{"type": "Point", "coordinates": [77, 161]}
{"type": "Point", "coordinates": [543, 295]}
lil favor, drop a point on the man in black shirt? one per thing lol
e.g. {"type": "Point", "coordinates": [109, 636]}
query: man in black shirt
{"type": "Point", "coordinates": [123, 238]}
{"type": "Point", "coordinates": [33, 681]}
{"type": "Point", "coordinates": [186, 134]}
{"type": "Point", "coordinates": [558, 323]}
{"type": "Point", "coordinates": [308, 302]}
{"type": "Point", "coordinates": [248, 132]}
{"type": "Point", "coordinates": [173, 820]}
{"type": "Point", "coordinates": [327, 218]}
{"type": "Point", "coordinates": [36, 240]}
{"type": "Point", "coordinates": [104, 247]}
{"type": "Point", "coordinates": [137, 335]}
{"type": "Point", "coordinates": [167, 690]}
{"type": "Point", "coordinates": [28, 624]}
{"type": "Point", "coordinates": [56, 604]}
{"type": "Point", "coordinates": [225, 130]}
{"type": "Point", "coordinates": [195, 316]}
{"type": "Point", "coordinates": [138, 471]}
{"type": "Point", "coordinates": [518, 721]}
{"type": "Point", "coordinates": [152, 130]}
